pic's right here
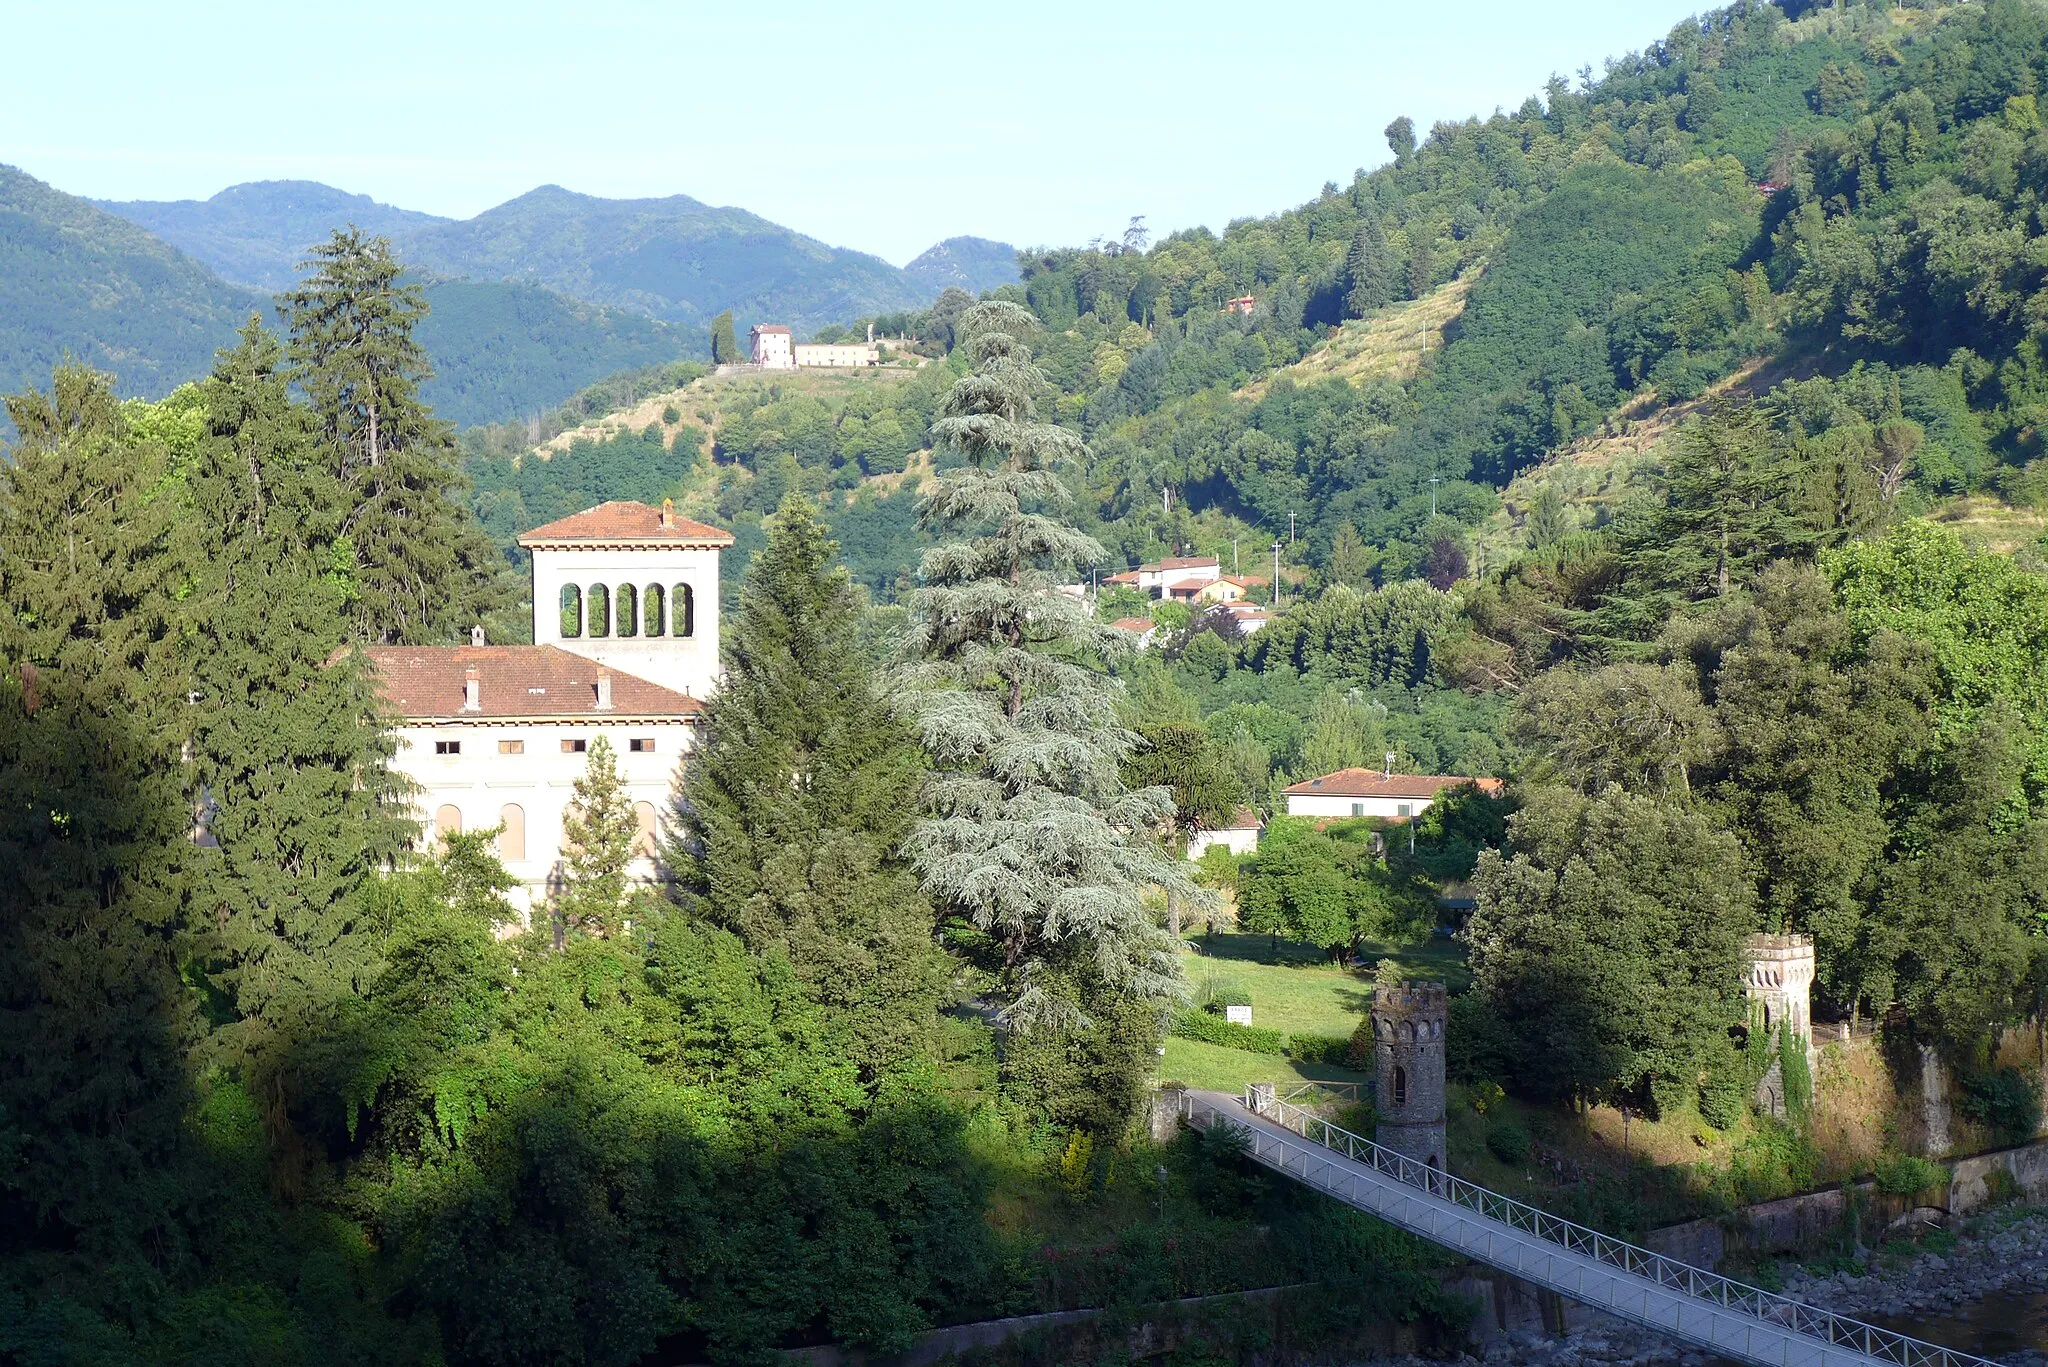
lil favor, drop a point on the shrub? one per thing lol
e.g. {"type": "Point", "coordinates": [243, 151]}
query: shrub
{"type": "Point", "coordinates": [670, 416]}
{"type": "Point", "coordinates": [1904, 1174]}
{"type": "Point", "coordinates": [1486, 1095]}
{"type": "Point", "coordinates": [1331, 1049]}
{"type": "Point", "coordinates": [1724, 1100]}
{"type": "Point", "coordinates": [1227, 995]}
{"type": "Point", "coordinates": [1200, 1025]}
{"type": "Point", "coordinates": [2006, 1102]}
{"type": "Point", "coordinates": [1508, 1142]}
{"type": "Point", "coordinates": [1358, 1049]}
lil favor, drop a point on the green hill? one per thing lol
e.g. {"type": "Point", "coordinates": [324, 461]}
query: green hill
{"type": "Point", "coordinates": [256, 234]}
{"type": "Point", "coordinates": [78, 281]}
{"type": "Point", "coordinates": [675, 259]}
{"type": "Point", "coordinates": [973, 264]}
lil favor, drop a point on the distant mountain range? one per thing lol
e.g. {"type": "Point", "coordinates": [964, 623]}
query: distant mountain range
{"type": "Point", "coordinates": [531, 300]}
{"type": "Point", "coordinates": [675, 259]}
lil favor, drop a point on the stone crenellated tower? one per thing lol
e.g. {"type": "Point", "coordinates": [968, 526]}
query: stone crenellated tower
{"type": "Point", "coordinates": [1408, 1024]}
{"type": "Point", "coordinates": [1779, 982]}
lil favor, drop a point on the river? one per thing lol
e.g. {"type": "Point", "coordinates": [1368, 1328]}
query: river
{"type": "Point", "coordinates": [2003, 1323]}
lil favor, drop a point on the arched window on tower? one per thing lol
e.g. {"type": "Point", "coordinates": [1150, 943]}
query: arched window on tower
{"type": "Point", "coordinates": [600, 610]}
{"type": "Point", "coordinates": [1400, 1086]}
{"type": "Point", "coordinates": [654, 610]}
{"type": "Point", "coordinates": [628, 610]}
{"type": "Point", "coordinates": [643, 816]}
{"type": "Point", "coordinates": [572, 612]}
{"type": "Point", "coordinates": [685, 610]}
{"type": "Point", "coordinates": [448, 821]}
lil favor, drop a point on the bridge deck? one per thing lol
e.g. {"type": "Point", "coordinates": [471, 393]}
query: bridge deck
{"type": "Point", "coordinates": [1755, 1328]}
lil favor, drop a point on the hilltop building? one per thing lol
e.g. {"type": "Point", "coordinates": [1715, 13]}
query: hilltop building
{"type": "Point", "coordinates": [1376, 792]}
{"type": "Point", "coordinates": [625, 630]}
{"type": "Point", "coordinates": [775, 347]}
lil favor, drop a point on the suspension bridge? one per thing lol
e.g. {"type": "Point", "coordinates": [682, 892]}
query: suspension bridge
{"type": "Point", "coordinates": [1740, 1322]}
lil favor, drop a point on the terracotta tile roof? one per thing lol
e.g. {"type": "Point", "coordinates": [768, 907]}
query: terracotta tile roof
{"type": "Point", "coordinates": [1373, 783]}
{"type": "Point", "coordinates": [1127, 577]}
{"type": "Point", "coordinates": [769, 327]}
{"type": "Point", "coordinates": [1188, 585]}
{"type": "Point", "coordinates": [624, 521]}
{"type": "Point", "coordinates": [1244, 581]}
{"type": "Point", "coordinates": [1186, 562]}
{"type": "Point", "coordinates": [513, 681]}
{"type": "Point", "coordinates": [1243, 819]}
{"type": "Point", "coordinates": [1141, 625]}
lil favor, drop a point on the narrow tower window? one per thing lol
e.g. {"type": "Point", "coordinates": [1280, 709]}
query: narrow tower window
{"type": "Point", "coordinates": [685, 610]}
{"type": "Point", "coordinates": [654, 610]}
{"type": "Point", "coordinates": [629, 610]}
{"type": "Point", "coordinates": [572, 612]}
{"type": "Point", "coordinates": [600, 610]}
{"type": "Point", "coordinates": [1400, 1086]}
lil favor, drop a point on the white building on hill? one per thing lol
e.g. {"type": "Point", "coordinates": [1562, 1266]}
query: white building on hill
{"type": "Point", "coordinates": [773, 346]}
{"type": "Point", "coordinates": [625, 629]}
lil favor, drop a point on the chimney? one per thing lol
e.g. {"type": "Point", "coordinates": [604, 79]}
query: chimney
{"type": "Point", "coordinates": [472, 691]}
{"type": "Point", "coordinates": [1388, 772]}
{"type": "Point", "coordinates": [604, 690]}
{"type": "Point", "coordinates": [668, 514]}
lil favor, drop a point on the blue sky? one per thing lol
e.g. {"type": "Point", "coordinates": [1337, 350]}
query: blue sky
{"type": "Point", "coordinates": [882, 126]}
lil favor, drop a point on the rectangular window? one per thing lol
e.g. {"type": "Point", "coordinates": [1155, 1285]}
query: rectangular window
{"type": "Point", "coordinates": [1406, 809]}
{"type": "Point", "coordinates": [447, 747]}
{"type": "Point", "coordinates": [575, 747]}
{"type": "Point", "coordinates": [511, 747]}
{"type": "Point", "coordinates": [1358, 809]}
{"type": "Point", "coordinates": [641, 745]}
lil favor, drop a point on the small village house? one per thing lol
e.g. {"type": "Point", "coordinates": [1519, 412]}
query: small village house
{"type": "Point", "coordinates": [1376, 792]}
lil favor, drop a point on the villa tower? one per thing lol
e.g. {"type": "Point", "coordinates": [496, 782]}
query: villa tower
{"type": "Point", "coordinates": [1408, 1056]}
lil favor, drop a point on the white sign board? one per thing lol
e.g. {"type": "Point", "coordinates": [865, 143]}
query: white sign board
{"type": "Point", "coordinates": [1238, 1015]}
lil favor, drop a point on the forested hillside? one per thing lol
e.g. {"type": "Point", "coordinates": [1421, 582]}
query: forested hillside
{"type": "Point", "coordinates": [76, 281]}
{"type": "Point", "coordinates": [673, 259]}
{"type": "Point", "coordinates": [83, 283]}
{"type": "Point", "coordinates": [257, 234]}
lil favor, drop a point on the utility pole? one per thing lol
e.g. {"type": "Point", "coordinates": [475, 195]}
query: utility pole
{"type": "Point", "coordinates": [1290, 529]}
{"type": "Point", "coordinates": [1276, 574]}
{"type": "Point", "coordinates": [1233, 570]}
{"type": "Point", "coordinates": [1434, 480]}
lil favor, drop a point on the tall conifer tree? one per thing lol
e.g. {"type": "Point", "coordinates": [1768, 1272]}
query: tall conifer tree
{"type": "Point", "coordinates": [1372, 277]}
{"type": "Point", "coordinates": [803, 789]}
{"type": "Point", "coordinates": [1030, 833]}
{"type": "Point", "coordinates": [93, 1020]}
{"type": "Point", "coordinates": [288, 745]}
{"type": "Point", "coordinates": [425, 570]}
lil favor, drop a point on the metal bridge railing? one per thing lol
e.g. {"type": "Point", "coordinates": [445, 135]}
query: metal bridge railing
{"type": "Point", "coordinates": [1883, 1344]}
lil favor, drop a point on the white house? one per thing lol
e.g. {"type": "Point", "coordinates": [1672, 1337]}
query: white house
{"type": "Point", "coordinates": [1376, 792]}
{"type": "Point", "coordinates": [773, 346]}
{"type": "Point", "coordinates": [1239, 835]}
{"type": "Point", "coordinates": [1180, 576]}
{"type": "Point", "coordinates": [625, 646]}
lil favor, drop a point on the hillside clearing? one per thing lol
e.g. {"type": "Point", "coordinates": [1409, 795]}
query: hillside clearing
{"type": "Point", "coordinates": [1389, 345]}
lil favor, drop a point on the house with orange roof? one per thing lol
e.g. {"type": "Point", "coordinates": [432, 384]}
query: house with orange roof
{"type": "Point", "coordinates": [1376, 792]}
{"type": "Point", "coordinates": [625, 646]}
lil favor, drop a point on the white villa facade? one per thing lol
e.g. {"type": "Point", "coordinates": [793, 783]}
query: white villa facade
{"type": "Point", "coordinates": [1375, 792]}
{"type": "Point", "coordinates": [773, 346]}
{"type": "Point", "coordinates": [625, 646]}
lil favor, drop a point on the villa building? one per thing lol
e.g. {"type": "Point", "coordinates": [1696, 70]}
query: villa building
{"type": "Point", "coordinates": [1177, 576]}
{"type": "Point", "coordinates": [625, 630]}
{"type": "Point", "coordinates": [774, 347]}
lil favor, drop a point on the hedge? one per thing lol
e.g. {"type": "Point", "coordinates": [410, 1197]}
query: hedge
{"type": "Point", "coordinates": [1200, 1025]}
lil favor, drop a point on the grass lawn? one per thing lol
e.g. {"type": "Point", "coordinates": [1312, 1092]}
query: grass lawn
{"type": "Point", "coordinates": [1211, 1067]}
